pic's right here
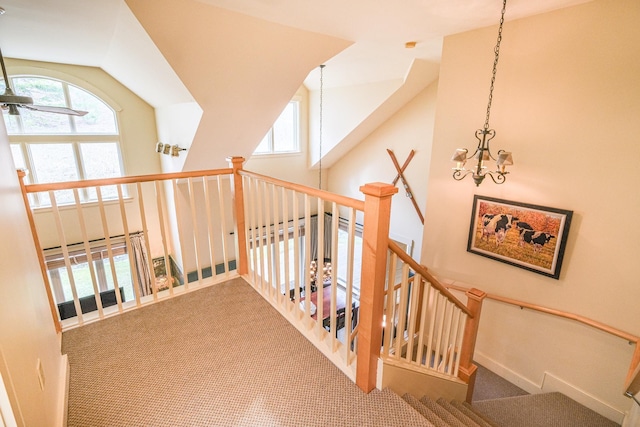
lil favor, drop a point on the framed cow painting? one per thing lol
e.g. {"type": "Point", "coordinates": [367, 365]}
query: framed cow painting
{"type": "Point", "coordinates": [524, 235]}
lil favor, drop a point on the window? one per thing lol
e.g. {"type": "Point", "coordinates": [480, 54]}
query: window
{"type": "Point", "coordinates": [59, 147]}
{"type": "Point", "coordinates": [343, 241]}
{"type": "Point", "coordinates": [284, 136]}
{"type": "Point", "coordinates": [59, 278]}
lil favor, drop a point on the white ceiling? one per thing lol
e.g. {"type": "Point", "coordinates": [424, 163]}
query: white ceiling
{"type": "Point", "coordinates": [91, 33]}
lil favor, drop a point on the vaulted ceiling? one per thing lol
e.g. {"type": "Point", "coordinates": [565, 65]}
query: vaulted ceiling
{"type": "Point", "coordinates": [367, 39]}
{"type": "Point", "coordinates": [98, 33]}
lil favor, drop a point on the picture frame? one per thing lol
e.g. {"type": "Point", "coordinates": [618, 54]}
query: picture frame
{"type": "Point", "coordinates": [524, 235]}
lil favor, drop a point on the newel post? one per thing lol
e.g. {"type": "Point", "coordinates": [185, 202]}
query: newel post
{"type": "Point", "coordinates": [238, 203]}
{"type": "Point", "coordinates": [36, 243]}
{"type": "Point", "coordinates": [467, 372]}
{"type": "Point", "coordinates": [377, 211]}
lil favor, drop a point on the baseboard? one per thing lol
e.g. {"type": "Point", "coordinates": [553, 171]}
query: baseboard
{"type": "Point", "coordinates": [551, 383]}
{"type": "Point", "coordinates": [63, 392]}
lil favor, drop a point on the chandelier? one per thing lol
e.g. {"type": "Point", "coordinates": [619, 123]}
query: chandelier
{"type": "Point", "coordinates": [320, 274]}
{"type": "Point", "coordinates": [482, 154]}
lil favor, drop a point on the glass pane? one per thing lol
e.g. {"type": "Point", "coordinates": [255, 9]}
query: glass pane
{"type": "Point", "coordinates": [101, 160]}
{"type": "Point", "coordinates": [18, 158]}
{"type": "Point", "coordinates": [123, 272]}
{"type": "Point", "coordinates": [54, 163]}
{"type": "Point", "coordinates": [81, 279]}
{"type": "Point", "coordinates": [11, 122]}
{"type": "Point", "coordinates": [43, 92]}
{"type": "Point", "coordinates": [343, 238]}
{"type": "Point", "coordinates": [285, 129]}
{"type": "Point", "coordinates": [264, 146]}
{"type": "Point", "coordinates": [99, 119]}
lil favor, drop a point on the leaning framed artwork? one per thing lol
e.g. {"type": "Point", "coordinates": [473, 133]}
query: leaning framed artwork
{"type": "Point", "coordinates": [527, 236]}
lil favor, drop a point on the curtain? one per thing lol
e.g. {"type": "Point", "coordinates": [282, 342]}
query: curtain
{"type": "Point", "coordinates": [141, 260]}
{"type": "Point", "coordinates": [313, 235]}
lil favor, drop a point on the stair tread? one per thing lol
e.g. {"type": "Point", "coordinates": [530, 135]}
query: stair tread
{"type": "Point", "coordinates": [441, 412]}
{"type": "Point", "coordinates": [469, 411]}
{"type": "Point", "coordinates": [424, 411]}
{"type": "Point", "coordinates": [387, 402]}
{"type": "Point", "coordinates": [467, 421]}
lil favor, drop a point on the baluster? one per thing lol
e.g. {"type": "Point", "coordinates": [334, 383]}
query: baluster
{"type": "Point", "coordinates": [240, 253]}
{"type": "Point", "coordinates": [164, 232]}
{"type": "Point", "coordinates": [87, 250]}
{"type": "Point", "coordinates": [107, 240]}
{"type": "Point", "coordinates": [210, 229]}
{"type": "Point", "coordinates": [65, 254]}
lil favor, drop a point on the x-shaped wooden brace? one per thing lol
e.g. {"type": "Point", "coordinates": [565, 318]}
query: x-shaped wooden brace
{"type": "Point", "coordinates": [401, 177]}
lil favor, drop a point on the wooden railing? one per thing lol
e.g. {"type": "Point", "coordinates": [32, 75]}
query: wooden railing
{"type": "Point", "coordinates": [428, 322]}
{"type": "Point", "coordinates": [289, 229]}
{"type": "Point", "coordinates": [181, 225]}
{"type": "Point", "coordinates": [111, 245]}
{"type": "Point", "coordinates": [425, 326]}
{"type": "Point", "coordinates": [632, 380]}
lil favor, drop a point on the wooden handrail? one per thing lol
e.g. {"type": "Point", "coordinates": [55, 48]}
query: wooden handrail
{"type": "Point", "coordinates": [632, 382]}
{"type": "Point", "coordinates": [40, 255]}
{"type": "Point", "coordinates": [422, 271]}
{"type": "Point", "coordinates": [601, 326]}
{"type": "Point", "coordinates": [68, 185]}
{"type": "Point", "coordinates": [325, 195]}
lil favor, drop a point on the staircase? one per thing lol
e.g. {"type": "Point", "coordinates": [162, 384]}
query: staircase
{"type": "Point", "coordinates": [537, 410]}
{"type": "Point", "coordinates": [441, 413]}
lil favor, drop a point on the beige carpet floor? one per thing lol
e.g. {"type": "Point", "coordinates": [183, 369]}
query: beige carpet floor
{"type": "Point", "coordinates": [220, 356]}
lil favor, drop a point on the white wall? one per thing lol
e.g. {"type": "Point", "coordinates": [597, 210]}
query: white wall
{"type": "Point", "coordinates": [343, 110]}
{"type": "Point", "coordinates": [411, 128]}
{"type": "Point", "coordinates": [27, 333]}
{"type": "Point", "coordinates": [566, 103]}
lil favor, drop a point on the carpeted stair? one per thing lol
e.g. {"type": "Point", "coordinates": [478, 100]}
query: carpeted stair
{"type": "Point", "coordinates": [441, 413]}
{"type": "Point", "coordinates": [536, 410]}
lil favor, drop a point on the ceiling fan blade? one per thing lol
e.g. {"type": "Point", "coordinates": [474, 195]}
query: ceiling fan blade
{"type": "Point", "coordinates": [51, 109]}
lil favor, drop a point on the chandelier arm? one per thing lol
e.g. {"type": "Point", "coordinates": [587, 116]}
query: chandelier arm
{"type": "Point", "coordinates": [492, 134]}
{"type": "Point", "coordinates": [500, 179]}
{"type": "Point", "coordinates": [459, 175]}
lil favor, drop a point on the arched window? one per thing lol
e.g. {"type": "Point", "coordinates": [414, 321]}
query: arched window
{"type": "Point", "coordinates": [58, 147]}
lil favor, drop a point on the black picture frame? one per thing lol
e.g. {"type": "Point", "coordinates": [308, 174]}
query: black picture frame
{"type": "Point", "coordinates": [524, 235]}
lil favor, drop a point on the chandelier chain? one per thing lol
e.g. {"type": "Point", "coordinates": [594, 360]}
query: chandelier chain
{"type": "Point", "coordinates": [495, 65]}
{"type": "Point", "coordinates": [320, 133]}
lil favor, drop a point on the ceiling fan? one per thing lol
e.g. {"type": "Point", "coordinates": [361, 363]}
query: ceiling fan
{"type": "Point", "coordinates": [12, 101]}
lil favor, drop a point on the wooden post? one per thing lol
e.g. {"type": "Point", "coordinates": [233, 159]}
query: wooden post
{"type": "Point", "coordinates": [41, 261]}
{"type": "Point", "coordinates": [240, 225]}
{"type": "Point", "coordinates": [377, 211]}
{"type": "Point", "coordinates": [467, 372]}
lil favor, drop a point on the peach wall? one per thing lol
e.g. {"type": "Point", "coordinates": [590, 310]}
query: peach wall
{"type": "Point", "coordinates": [566, 103]}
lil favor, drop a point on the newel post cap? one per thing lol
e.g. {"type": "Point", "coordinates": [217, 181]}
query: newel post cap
{"type": "Point", "coordinates": [378, 189]}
